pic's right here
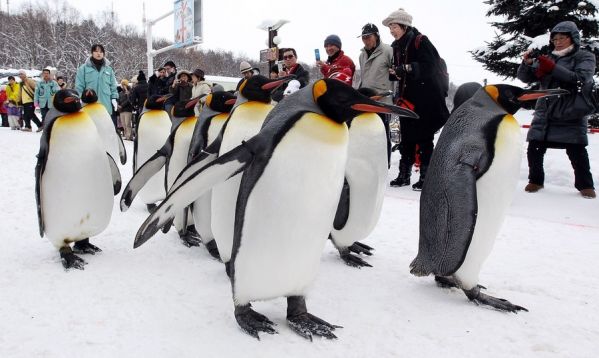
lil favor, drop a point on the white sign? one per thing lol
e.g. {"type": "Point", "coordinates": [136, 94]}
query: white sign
{"type": "Point", "coordinates": [184, 22]}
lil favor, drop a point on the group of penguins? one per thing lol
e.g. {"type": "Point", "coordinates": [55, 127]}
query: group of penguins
{"type": "Point", "coordinates": [265, 187]}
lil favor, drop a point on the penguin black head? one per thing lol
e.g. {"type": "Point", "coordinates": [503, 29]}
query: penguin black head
{"type": "Point", "coordinates": [67, 101]}
{"type": "Point", "coordinates": [89, 96]}
{"type": "Point", "coordinates": [510, 97]}
{"type": "Point", "coordinates": [184, 109]}
{"type": "Point", "coordinates": [156, 101]}
{"type": "Point", "coordinates": [341, 102]}
{"type": "Point", "coordinates": [221, 101]}
{"type": "Point", "coordinates": [258, 88]}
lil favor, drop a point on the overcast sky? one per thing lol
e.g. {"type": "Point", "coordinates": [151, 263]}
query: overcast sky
{"type": "Point", "coordinates": [454, 27]}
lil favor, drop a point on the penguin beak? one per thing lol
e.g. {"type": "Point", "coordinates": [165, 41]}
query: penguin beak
{"type": "Point", "coordinates": [70, 99]}
{"type": "Point", "coordinates": [164, 98]}
{"type": "Point", "coordinates": [532, 95]}
{"type": "Point", "coordinates": [192, 102]}
{"type": "Point", "coordinates": [384, 108]}
{"type": "Point", "coordinates": [231, 101]}
{"type": "Point", "coordinates": [276, 83]}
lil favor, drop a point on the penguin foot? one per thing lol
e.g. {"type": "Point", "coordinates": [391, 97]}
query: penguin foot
{"type": "Point", "coordinates": [360, 248]}
{"type": "Point", "coordinates": [213, 249]}
{"type": "Point", "coordinates": [306, 324]}
{"type": "Point", "coordinates": [70, 260]}
{"type": "Point", "coordinates": [151, 208]}
{"type": "Point", "coordinates": [498, 303]}
{"type": "Point", "coordinates": [84, 247]}
{"type": "Point", "coordinates": [352, 260]}
{"type": "Point", "coordinates": [450, 282]}
{"type": "Point", "coordinates": [253, 322]}
{"type": "Point", "coordinates": [189, 240]}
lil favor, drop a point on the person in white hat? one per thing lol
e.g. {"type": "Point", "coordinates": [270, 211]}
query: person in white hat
{"type": "Point", "coordinates": [416, 69]}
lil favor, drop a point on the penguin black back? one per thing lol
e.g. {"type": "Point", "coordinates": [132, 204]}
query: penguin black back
{"type": "Point", "coordinates": [155, 102]}
{"type": "Point", "coordinates": [67, 101]}
{"type": "Point", "coordinates": [89, 96]}
{"type": "Point", "coordinates": [184, 109]}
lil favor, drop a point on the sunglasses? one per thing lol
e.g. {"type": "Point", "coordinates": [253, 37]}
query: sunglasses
{"type": "Point", "coordinates": [288, 57]}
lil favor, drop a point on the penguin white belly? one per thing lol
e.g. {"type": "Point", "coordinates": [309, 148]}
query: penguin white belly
{"type": "Point", "coordinates": [366, 173]}
{"type": "Point", "coordinates": [76, 186]}
{"type": "Point", "coordinates": [494, 190]}
{"type": "Point", "coordinates": [105, 127]}
{"type": "Point", "coordinates": [245, 122]}
{"type": "Point", "coordinates": [153, 130]}
{"type": "Point", "coordinates": [202, 208]}
{"type": "Point", "coordinates": [290, 211]}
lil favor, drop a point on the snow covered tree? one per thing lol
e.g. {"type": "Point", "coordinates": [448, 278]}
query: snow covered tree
{"type": "Point", "coordinates": [527, 24]}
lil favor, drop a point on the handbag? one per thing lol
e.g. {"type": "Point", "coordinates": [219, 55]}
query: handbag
{"type": "Point", "coordinates": [574, 106]}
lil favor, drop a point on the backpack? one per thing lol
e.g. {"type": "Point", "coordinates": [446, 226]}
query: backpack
{"type": "Point", "coordinates": [442, 74]}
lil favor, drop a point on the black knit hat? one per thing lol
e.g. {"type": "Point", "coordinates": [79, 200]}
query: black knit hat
{"type": "Point", "coordinates": [170, 63]}
{"type": "Point", "coordinates": [141, 76]}
{"type": "Point", "coordinates": [332, 40]}
{"type": "Point", "coordinates": [369, 29]}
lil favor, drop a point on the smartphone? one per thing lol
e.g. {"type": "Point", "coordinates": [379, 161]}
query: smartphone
{"type": "Point", "coordinates": [317, 54]}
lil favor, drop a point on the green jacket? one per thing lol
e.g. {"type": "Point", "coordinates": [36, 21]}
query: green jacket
{"type": "Point", "coordinates": [44, 93]}
{"type": "Point", "coordinates": [103, 82]}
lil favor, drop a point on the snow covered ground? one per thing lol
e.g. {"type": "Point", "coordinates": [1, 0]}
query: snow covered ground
{"type": "Point", "coordinates": [165, 300]}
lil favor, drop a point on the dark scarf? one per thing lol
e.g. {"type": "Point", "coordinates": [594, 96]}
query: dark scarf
{"type": "Point", "coordinates": [369, 52]}
{"type": "Point", "coordinates": [97, 63]}
{"type": "Point", "coordinates": [332, 58]}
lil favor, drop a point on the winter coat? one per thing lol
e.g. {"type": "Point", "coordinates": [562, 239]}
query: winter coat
{"type": "Point", "coordinates": [3, 98]}
{"type": "Point", "coordinates": [301, 75]}
{"type": "Point", "coordinates": [421, 87]}
{"type": "Point", "coordinates": [27, 91]}
{"type": "Point", "coordinates": [339, 62]}
{"type": "Point", "coordinates": [103, 82]}
{"type": "Point", "coordinates": [168, 82]}
{"type": "Point", "coordinates": [44, 93]}
{"type": "Point", "coordinates": [553, 121]}
{"type": "Point", "coordinates": [138, 95]}
{"type": "Point", "coordinates": [13, 93]}
{"type": "Point", "coordinates": [375, 69]}
{"type": "Point", "coordinates": [181, 91]}
{"type": "Point", "coordinates": [124, 103]}
{"type": "Point", "coordinates": [200, 88]}
{"type": "Point", "coordinates": [157, 86]}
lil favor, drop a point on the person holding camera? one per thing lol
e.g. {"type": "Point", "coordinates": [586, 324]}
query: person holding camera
{"type": "Point", "coordinates": [560, 122]}
{"type": "Point", "coordinates": [419, 88]}
{"type": "Point", "coordinates": [290, 67]}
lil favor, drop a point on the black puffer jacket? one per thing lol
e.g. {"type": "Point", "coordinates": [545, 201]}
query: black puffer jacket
{"type": "Point", "coordinates": [422, 86]}
{"type": "Point", "coordinates": [552, 121]}
{"type": "Point", "coordinates": [139, 94]}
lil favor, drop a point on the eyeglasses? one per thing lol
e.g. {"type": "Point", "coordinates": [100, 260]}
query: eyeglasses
{"type": "Point", "coordinates": [288, 57]}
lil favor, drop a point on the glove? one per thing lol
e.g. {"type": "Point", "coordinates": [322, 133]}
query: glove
{"type": "Point", "coordinates": [546, 66]}
{"type": "Point", "coordinates": [114, 104]}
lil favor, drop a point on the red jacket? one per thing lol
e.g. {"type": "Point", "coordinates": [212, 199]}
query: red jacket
{"type": "Point", "coordinates": [3, 99]}
{"type": "Point", "coordinates": [339, 65]}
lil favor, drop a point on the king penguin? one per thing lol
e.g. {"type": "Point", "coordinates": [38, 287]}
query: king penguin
{"type": "Point", "coordinates": [363, 191]}
{"type": "Point", "coordinates": [292, 174]}
{"type": "Point", "coordinates": [212, 118]}
{"type": "Point", "coordinates": [471, 181]}
{"type": "Point", "coordinates": [110, 137]}
{"type": "Point", "coordinates": [173, 156]}
{"type": "Point", "coordinates": [75, 180]}
{"type": "Point", "coordinates": [153, 128]}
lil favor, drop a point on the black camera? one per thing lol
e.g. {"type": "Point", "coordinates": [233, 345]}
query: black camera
{"type": "Point", "coordinates": [534, 54]}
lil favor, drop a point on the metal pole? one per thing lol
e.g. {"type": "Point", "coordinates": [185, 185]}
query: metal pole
{"type": "Point", "coordinates": [149, 50]}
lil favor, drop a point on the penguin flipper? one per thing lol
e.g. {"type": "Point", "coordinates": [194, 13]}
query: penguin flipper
{"type": "Point", "coordinates": [190, 186]}
{"type": "Point", "coordinates": [145, 172]}
{"type": "Point", "coordinates": [122, 151]}
{"type": "Point", "coordinates": [447, 220]}
{"type": "Point", "coordinates": [39, 168]}
{"type": "Point", "coordinates": [342, 208]}
{"type": "Point", "coordinates": [116, 174]}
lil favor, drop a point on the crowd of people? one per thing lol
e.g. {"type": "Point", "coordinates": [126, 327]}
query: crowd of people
{"type": "Point", "coordinates": [405, 72]}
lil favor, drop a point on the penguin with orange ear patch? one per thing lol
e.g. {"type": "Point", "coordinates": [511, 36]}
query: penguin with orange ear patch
{"type": "Point", "coordinates": [291, 178]}
{"type": "Point", "coordinates": [470, 183]}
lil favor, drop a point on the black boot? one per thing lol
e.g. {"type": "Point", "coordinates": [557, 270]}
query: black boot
{"type": "Point", "coordinates": [405, 172]}
{"type": "Point", "coordinates": [418, 185]}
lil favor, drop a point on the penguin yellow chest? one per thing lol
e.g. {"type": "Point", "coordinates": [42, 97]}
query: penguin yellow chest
{"type": "Point", "coordinates": [245, 122]}
{"type": "Point", "coordinates": [290, 211]}
{"type": "Point", "coordinates": [178, 159]}
{"type": "Point", "coordinates": [216, 124]}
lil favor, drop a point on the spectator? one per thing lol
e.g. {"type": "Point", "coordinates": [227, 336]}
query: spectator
{"type": "Point", "coordinates": [415, 68]}
{"type": "Point", "coordinates": [274, 72]}
{"type": "Point", "coordinates": [27, 93]}
{"type": "Point", "coordinates": [13, 109]}
{"type": "Point", "coordinates": [125, 110]}
{"type": "Point", "coordinates": [139, 94]}
{"type": "Point", "coordinates": [157, 84]}
{"type": "Point", "coordinates": [3, 106]}
{"type": "Point", "coordinates": [61, 83]}
{"type": "Point", "coordinates": [97, 74]}
{"type": "Point", "coordinates": [44, 93]}
{"type": "Point", "coordinates": [338, 65]}
{"type": "Point", "coordinates": [171, 75]}
{"type": "Point", "coordinates": [291, 67]}
{"type": "Point", "coordinates": [199, 87]}
{"type": "Point", "coordinates": [376, 58]}
{"type": "Point", "coordinates": [561, 122]}
{"type": "Point", "coordinates": [181, 87]}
